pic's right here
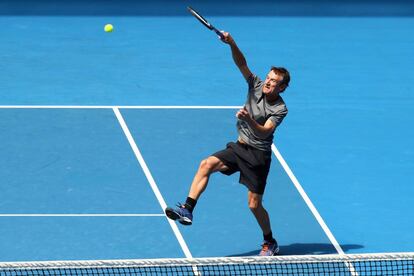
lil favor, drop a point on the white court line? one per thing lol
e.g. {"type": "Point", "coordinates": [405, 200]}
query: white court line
{"type": "Point", "coordinates": [313, 209]}
{"type": "Point", "coordinates": [307, 200]}
{"type": "Point", "coordinates": [149, 176]}
{"type": "Point", "coordinates": [82, 215]}
{"type": "Point", "coordinates": [151, 181]}
{"type": "Point", "coordinates": [117, 107]}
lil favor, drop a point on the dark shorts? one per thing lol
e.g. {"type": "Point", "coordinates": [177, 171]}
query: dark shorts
{"type": "Point", "coordinates": [253, 165]}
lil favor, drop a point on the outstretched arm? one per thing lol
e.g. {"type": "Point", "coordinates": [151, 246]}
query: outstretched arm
{"type": "Point", "coordinates": [237, 55]}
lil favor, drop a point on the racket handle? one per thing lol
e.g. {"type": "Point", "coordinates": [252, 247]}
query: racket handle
{"type": "Point", "coordinates": [220, 34]}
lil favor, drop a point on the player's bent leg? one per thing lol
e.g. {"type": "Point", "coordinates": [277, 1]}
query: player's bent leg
{"type": "Point", "coordinates": [181, 212]}
{"type": "Point", "coordinates": [207, 166]}
{"type": "Point", "coordinates": [211, 165]}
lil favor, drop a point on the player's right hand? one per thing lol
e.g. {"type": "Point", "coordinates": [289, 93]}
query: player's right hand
{"type": "Point", "coordinates": [228, 39]}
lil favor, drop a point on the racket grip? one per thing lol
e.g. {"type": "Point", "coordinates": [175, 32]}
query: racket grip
{"type": "Point", "coordinates": [220, 34]}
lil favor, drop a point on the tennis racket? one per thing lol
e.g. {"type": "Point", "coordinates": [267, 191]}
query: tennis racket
{"type": "Point", "coordinates": [205, 22]}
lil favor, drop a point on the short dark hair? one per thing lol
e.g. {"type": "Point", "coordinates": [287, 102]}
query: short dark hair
{"type": "Point", "coordinates": [284, 73]}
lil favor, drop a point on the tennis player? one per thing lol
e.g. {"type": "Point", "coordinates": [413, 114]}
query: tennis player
{"type": "Point", "coordinates": [251, 154]}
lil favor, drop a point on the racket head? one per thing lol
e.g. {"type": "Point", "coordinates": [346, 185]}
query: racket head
{"type": "Point", "coordinates": [200, 18]}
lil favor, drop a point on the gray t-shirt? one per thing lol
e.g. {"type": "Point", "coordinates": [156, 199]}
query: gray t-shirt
{"type": "Point", "coordinates": [260, 110]}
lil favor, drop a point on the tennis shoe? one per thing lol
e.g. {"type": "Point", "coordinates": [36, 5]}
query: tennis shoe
{"type": "Point", "coordinates": [180, 213]}
{"type": "Point", "coordinates": [269, 248]}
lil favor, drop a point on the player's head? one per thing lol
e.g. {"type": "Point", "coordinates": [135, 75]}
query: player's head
{"type": "Point", "coordinates": [277, 80]}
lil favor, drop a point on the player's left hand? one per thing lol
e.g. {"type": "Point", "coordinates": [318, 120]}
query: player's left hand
{"type": "Point", "coordinates": [243, 115]}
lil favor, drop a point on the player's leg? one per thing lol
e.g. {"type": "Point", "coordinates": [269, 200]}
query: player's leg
{"type": "Point", "coordinates": [270, 246]}
{"type": "Point", "coordinates": [208, 166]}
{"type": "Point", "coordinates": [183, 212]}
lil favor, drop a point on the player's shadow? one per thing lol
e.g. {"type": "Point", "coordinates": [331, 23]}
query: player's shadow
{"type": "Point", "coordinates": [304, 249]}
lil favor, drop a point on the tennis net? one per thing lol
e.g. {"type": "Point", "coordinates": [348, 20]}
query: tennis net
{"type": "Point", "coordinates": [351, 264]}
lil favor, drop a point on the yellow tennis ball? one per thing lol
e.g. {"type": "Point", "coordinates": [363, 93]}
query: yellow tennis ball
{"type": "Point", "coordinates": [108, 28]}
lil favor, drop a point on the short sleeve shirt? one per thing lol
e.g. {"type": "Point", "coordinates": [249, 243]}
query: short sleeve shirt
{"type": "Point", "coordinates": [261, 110]}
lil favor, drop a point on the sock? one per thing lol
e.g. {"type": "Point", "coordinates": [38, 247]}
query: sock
{"type": "Point", "coordinates": [269, 237]}
{"type": "Point", "coordinates": [190, 204]}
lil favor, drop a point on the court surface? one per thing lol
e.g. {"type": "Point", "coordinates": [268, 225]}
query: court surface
{"type": "Point", "coordinates": [99, 131]}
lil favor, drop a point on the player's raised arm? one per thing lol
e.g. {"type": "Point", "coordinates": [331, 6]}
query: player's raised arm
{"type": "Point", "coordinates": [237, 55]}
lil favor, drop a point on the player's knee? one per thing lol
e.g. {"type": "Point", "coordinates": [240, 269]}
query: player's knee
{"type": "Point", "coordinates": [253, 206]}
{"type": "Point", "coordinates": [255, 203]}
{"type": "Point", "coordinates": [207, 165]}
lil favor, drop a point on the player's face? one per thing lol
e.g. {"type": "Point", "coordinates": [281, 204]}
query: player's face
{"type": "Point", "coordinates": [272, 83]}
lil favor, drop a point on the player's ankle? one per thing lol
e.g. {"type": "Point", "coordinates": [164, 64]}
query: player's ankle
{"type": "Point", "coordinates": [190, 203]}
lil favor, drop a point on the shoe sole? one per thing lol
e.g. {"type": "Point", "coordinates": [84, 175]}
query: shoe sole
{"type": "Point", "coordinates": [175, 216]}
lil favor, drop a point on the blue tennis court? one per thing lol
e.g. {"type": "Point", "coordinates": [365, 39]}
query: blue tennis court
{"type": "Point", "coordinates": [100, 130]}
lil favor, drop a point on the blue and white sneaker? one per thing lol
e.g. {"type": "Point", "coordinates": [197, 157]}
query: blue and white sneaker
{"type": "Point", "coordinates": [180, 213]}
{"type": "Point", "coordinates": [269, 248]}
